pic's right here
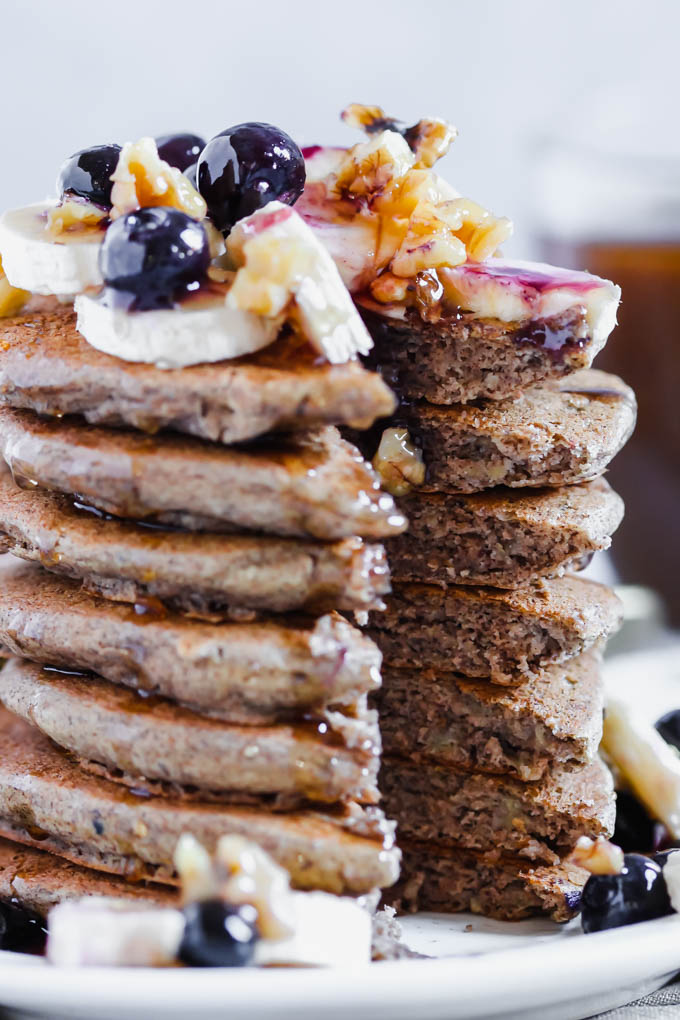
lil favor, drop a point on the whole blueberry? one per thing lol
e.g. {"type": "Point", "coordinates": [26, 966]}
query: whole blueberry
{"type": "Point", "coordinates": [634, 828]}
{"type": "Point", "coordinates": [180, 150]}
{"type": "Point", "coordinates": [246, 166]}
{"type": "Point", "coordinates": [153, 256]}
{"type": "Point", "coordinates": [87, 173]}
{"type": "Point", "coordinates": [638, 893]}
{"type": "Point", "coordinates": [661, 857]}
{"type": "Point", "coordinates": [669, 727]}
{"type": "Point", "coordinates": [20, 929]}
{"type": "Point", "coordinates": [218, 935]}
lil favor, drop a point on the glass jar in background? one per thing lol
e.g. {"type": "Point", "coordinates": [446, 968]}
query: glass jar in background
{"type": "Point", "coordinates": [608, 200]}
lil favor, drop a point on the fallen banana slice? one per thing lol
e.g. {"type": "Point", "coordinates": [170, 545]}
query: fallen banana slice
{"type": "Point", "coordinates": [328, 931]}
{"type": "Point", "coordinates": [646, 761]}
{"type": "Point", "coordinates": [283, 268]}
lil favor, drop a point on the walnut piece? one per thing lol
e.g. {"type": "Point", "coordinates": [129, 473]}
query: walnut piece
{"type": "Point", "coordinates": [142, 179]}
{"type": "Point", "coordinates": [598, 856]}
{"type": "Point", "coordinates": [399, 462]}
{"type": "Point", "coordinates": [241, 872]}
{"type": "Point", "coordinates": [74, 214]}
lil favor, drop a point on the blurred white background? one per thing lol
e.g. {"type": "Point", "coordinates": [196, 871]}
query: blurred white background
{"type": "Point", "coordinates": [77, 73]}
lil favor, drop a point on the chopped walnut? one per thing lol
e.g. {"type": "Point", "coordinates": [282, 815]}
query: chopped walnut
{"type": "Point", "coordinates": [370, 119]}
{"type": "Point", "coordinates": [370, 167]}
{"type": "Point", "coordinates": [422, 223]}
{"type": "Point", "coordinates": [598, 856]}
{"type": "Point", "coordinates": [388, 288]}
{"type": "Point", "coordinates": [240, 873]}
{"type": "Point", "coordinates": [74, 214]}
{"type": "Point", "coordinates": [428, 140]}
{"type": "Point", "coordinates": [399, 462]}
{"type": "Point", "coordinates": [142, 179]}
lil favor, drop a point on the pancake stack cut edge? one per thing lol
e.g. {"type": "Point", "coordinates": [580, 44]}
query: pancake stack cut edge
{"type": "Point", "coordinates": [171, 605]}
{"type": "Point", "coordinates": [492, 699]}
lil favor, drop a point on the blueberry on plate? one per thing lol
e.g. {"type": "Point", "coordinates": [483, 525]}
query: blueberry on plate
{"type": "Point", "coordinates": [663, 855]}
{"type": "Point", "coordinates": [180, 150]}
{"type": "Point", "coordinates": [638, 893]}
{"type": "Point", "coordinates": [87, 173]}
{"type": "Point", "coordinates": [246, 166]}
{"type": "Point", "coordinates": [152, 257]}
{"type": "Point", "coordinates": [218, 935]}
{"type": "Point", "coordinates": [634, 829]}
{"type": "Point", "coordinates": [669, 727]}
{"type": "Point", "coordinates": [20, 930]}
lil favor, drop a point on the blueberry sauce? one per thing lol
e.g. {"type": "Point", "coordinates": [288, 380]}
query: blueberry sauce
{"type": "Point", "coordinates": [539, 280]}
{"type": "Point", "coordinates": [556, 337]}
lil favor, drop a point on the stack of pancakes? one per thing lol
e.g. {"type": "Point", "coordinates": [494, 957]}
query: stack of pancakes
{"type": "Point", "coordinates": [182, 542]}
{"type": "Point", "coordinates": [491, 706]}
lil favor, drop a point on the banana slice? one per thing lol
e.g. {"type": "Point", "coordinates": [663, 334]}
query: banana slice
{"type": "Point", "coordinates": [196, 332]}
{"type": "Point", "coordinates": [33, 260]}
{"type": "Point", "coordinates": [646, 761]}
{"type": "Point", "coordinates": [328, 931]}
{"type": "Point", "coordinates": [281, 263]}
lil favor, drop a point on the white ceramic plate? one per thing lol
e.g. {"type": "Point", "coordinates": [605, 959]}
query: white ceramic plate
{"type": "Point", "coordinates": [485, 969]}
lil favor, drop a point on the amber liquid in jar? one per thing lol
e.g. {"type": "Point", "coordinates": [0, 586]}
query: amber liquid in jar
{"type": "Point", "coordinates": [645, 350]}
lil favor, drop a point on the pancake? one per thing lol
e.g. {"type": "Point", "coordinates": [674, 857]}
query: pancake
{"type": "Point", "coordinates": [509, 889]}
{"type": "Point", "coordinates": [540, 821]}
{"type": "Point", "coordinates": [552, 720]}
{"type": "Point", "coordinates": [460, 357]}
{"type": "Point", "coordinates": [47, 800]}
{"type": "Point", "coordinates": [315, 485]}
{"type": "Point", "coordinates": [202, 574]}
{"type": "Point", "coordinates": [47, 366]}
{"type": "Point", "coordinates": [504, 537]}
{"type": "Point", "coordinates": [243, 671]}
{"type": "Point", "coordinates": [154, 744]}
{"type": "Point", "coordinates": [505, 635]}
{"type": "Point", "coordinates": [38, 881]}
{"type": "Point", "coordinates": [560, 433]}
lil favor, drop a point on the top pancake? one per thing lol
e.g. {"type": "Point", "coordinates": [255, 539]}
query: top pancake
{"type": "Point", "coordinates": [47, 366]}
{"type": "Point", "coordinates": [461, 357]}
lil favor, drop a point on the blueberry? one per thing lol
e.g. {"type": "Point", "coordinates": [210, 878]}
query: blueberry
{"type": "Point", "coordinates": [87, 173]}
{"type": "Point", "coordinates": [638, 893]}
{"type": "Point", "coordinates": [151, 257]}
{"type": "Point", "coordinates": [661, 857]}
{"type": "Point", "coordinates": [669, 727]}
{"type": "Point", "coordinates": [634, 829]}
{"type": "Point", "coordinates": [218, 935]}
{"type": "Point", "coordinates": [246, 166]}
{"type": "Point", "coordinates": [180, 150]}
{"type": "Point", "coordinates": [20, 930]}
